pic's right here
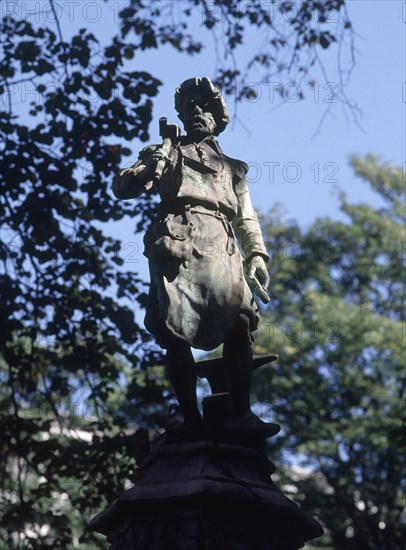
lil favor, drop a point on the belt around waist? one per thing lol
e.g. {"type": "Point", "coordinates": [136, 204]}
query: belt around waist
{"type": "Point", "coordinates": [198, 209]}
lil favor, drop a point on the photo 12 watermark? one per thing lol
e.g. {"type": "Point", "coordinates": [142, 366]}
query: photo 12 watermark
{"type": "Point", "coordinates": [273, 12]}
{"type": "Point", "coordinates": [293, 172]}
{"type": "Point", "coordinates": [289, 92]}
{"type": "Point", "coordinates": [61, 11]}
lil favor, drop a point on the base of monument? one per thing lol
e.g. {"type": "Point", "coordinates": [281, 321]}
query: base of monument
{"type": "Point", "coordinates": [206, 494]}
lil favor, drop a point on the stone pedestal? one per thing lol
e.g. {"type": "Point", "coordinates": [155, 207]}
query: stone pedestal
{"type": "Point", "coordinates": [209, 492]}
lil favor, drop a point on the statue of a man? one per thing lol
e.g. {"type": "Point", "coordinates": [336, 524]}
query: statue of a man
{"type": "Point", "coordinates": [199, 296]}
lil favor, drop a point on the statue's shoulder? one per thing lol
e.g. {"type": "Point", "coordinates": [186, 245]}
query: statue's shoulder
{"type": "Point", "coordinates": [238, 167]}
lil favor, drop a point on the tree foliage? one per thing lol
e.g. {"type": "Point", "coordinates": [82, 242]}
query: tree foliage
{"type": "Point", "coordinates": [79, 381]}
{"type": "Point", "coordinates": [337, 321]}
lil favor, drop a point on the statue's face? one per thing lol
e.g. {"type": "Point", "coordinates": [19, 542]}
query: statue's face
{"type": "Point", "coordinates": [197, 119]}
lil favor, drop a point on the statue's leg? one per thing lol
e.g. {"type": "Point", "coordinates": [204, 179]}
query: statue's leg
{"type": "Point", "coordinates": [180, 365]}
{"type": "Point", "coordinates": [238, 364]}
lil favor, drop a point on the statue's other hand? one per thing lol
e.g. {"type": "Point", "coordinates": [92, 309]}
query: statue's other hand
{"type": "Point", "coordinates": [257, 267]}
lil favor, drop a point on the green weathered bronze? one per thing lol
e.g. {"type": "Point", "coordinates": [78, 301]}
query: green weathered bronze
{"type": "Point", "coordinates": [202, 248]}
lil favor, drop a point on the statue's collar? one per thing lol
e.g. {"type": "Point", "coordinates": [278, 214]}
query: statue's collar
{"type": "Point", "coordinates": [209, 140]}
{"type": "Point", "coordinates": [188, 140]}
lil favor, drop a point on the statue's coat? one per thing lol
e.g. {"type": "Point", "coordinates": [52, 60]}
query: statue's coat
{"type": "Point", "coordinates": [198, 286]}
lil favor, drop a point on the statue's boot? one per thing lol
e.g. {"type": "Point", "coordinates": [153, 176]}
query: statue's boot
{"type": "Point", "coordinates": [253, 425]}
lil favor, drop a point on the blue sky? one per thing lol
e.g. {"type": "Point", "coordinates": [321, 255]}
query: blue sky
{"type": "Point", "coordinates": [288, 163]}
{"type": "Point", "coordinates": [307, 168]}
{"type": "Point", "coordinates": [279, 136]}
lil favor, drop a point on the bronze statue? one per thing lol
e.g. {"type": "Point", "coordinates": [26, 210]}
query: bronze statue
{"type": "Point", "coordinates": [199, 295]}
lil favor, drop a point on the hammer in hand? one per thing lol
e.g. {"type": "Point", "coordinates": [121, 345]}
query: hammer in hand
{"type": "Point", "coordinates": [169, 133]}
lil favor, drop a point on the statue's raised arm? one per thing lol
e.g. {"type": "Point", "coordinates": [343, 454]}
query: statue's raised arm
{"type": "Point", "coordinates": [133, 181]}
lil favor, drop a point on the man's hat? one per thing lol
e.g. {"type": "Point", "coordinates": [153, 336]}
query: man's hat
{"type": "Point", "coordinates": [216, 103]}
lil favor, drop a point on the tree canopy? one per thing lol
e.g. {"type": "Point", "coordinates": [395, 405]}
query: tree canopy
{"type": "Point", "coordinates": [336, 319]}
{"type": "Point", "coordinates": [80, 385]}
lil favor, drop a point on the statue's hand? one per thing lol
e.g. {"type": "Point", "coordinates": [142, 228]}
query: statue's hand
{"type": "Point", "coordinates": [257, 267]}
{"type": "Point", "coordinates": [158, 155]}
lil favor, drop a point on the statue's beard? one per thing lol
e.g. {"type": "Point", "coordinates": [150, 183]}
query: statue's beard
{"type": "Point", "coordinates": [200, 128]}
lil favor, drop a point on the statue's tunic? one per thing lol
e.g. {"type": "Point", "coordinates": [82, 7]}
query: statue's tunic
{"type": "Point", "coordinates": [198, 286]}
